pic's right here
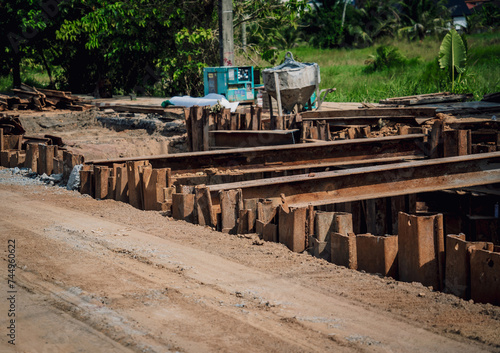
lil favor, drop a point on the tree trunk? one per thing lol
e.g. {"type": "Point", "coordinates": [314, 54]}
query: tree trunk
{"type": "Point", "coordinates": [47, 68]}
{"type": "Point", "coordinates": [16, 69]}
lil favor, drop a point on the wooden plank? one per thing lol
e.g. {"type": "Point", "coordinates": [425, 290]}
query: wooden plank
{"type": "Point", "coordinates": [324, 152]}
{"type": "Point", "coordinates": [428, 112]}
{"type": "Point", "coordinates": [101, 176]}
{"type": "Point", "coordinates": [134, 183]}
{"type": "Point", "coordinates": [292, 228]}
{"type": "Point", "coordinates": [183, 207]}
{"type": "Point", "coordinates": [31, 157]}
{"type": "Point", "coordinates": [204, 209]}
{"type": "Point", "coordinates": [87, 182]}
{"type": "Point", "coordinates": [421, 249]}
{"type": "Point", "coordinates": [253, 138]}
{"type": "Point", "coordinates": [442, 97]}
{"type": "Point", "coordinates": [373, 182]}
{"type": "Point", "coordinates": [457, 143]}
{"type": "Point", "coordinates": [231, 203]}
{"type": "Point", "coordinates": [189, 129]}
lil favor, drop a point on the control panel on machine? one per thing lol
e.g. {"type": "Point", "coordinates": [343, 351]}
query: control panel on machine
{"type": "Point", "coordinates": [235, 83]}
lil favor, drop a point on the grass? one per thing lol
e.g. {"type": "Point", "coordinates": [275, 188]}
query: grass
{"type": "Point", "coordinates": [344, 69]}
{"type": "Point", "coordinates": [31, 74]}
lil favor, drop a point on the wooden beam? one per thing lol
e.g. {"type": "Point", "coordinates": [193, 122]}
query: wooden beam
{"type": "Point", "coordinates": [285, 155]}
{"type": "Point", "coordinates": [373, 182]}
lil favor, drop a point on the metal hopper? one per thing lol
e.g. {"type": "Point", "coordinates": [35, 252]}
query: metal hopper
{"type": "Point", "coordinates": [291, 82]}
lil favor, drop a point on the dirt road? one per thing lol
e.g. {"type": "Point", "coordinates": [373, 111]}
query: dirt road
{"type": "Point", "coordinates": [101, 276]}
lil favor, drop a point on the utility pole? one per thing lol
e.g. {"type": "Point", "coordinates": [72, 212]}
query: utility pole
{"type": "Point", "coordinates": [226, 38]}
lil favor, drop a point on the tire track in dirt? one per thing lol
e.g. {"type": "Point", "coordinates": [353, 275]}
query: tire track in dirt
{"type": "Point", "coordinates": [121, 319]}
{"type": "Point", "coordinates": [296, 318]}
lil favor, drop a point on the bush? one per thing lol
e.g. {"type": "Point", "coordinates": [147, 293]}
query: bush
{"type": "Point", "coordinates": [386, 57]}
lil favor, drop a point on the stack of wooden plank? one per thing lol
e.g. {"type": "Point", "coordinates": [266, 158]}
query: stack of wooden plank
{"type": "Point", "coordinates": [134, 182]}
{"type": "Point", "coordinates": [432, 98]}
{"type": "Point", "coordinates": [200, 121]}
{"type": "Point", "coordinates": [28, 97]}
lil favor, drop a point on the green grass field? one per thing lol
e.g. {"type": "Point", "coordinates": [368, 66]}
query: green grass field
{"type": "Point", "coordinates": [344, 69]}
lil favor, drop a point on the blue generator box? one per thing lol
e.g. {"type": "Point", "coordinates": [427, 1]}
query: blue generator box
{"type": "Point", "coordinates": [235, 83]}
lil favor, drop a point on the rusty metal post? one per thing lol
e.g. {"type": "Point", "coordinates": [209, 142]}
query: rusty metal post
{"type": "Point", "coordinates": [421, 249]}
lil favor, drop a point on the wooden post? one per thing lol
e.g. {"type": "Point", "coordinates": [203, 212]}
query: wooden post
{"type": "Point", "coordinates": [45, 159]}
{"type": "Point", "coordinates": [101, 176]}
{"type": "Point", "coordinates": [421, 249]}
{"type": "Point", "coordinates": [121, 192]}
{"type": "Point", "coordinates": [189, 128]}
{"type": "Point", "coordinates": [183, 207]}
{"type": "Point", "coordinates": [87, 181]}
{"type": "Point", "coordinates": [231, 203]}
{"type": "Point", "coordinates": [435, 141]}
{"type": "Point", "coordinates": [457, 143]}
{"type": "Point", "coordinates": [204, 209]}
{"type": "Point", "coordinates": [2, 140]}
{"type": "Point", "coordinates": [31, 157]}
{"type": "Point", "coordinates": [134, 183]}
{"type": "Point", "coordinates": [292, 228]}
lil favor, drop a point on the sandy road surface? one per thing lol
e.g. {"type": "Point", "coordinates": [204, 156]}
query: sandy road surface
{"type": "Point", "coordinates": [100, 276]}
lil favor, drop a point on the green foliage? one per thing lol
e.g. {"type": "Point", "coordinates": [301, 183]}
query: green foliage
{"type": "Point", "coordinates": [133, 41]}
{"type": "Point", "coordinates": [345, 70]}
{"type": "Point", "coordinates": [423, 18]}
{"type": "Point", "coordinates": [324, 24]}
{"type": "Point", "coordinates": [453, 56]}
{"type": "Point", "coordinates": [269, 26]}
{"type": "Point", "coordinates": [386, 57]}
{"type": "Point", "coordinates": [484, 18]}
{"type": "Point", "coordinates": [372, 20]}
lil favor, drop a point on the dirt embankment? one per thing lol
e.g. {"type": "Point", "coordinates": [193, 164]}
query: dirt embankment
{"type": "Point", "coordinates": [100, 135]}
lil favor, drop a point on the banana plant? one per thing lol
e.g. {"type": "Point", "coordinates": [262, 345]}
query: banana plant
{"type": "Point", "coordinates": [453, 56]}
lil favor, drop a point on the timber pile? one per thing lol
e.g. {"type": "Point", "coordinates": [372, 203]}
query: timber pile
{"type": "Point", "coordinates": [432, 98]}
{"type": "Point", "coordinates": [28, 97]}
{"type": "Point", "coordinates": [342, 233]}
{"type": "Point", "coordinates": [208, 130]}
{"type": "Point", "coordinates": [492, 97]}
{"type": "Point", "coordinates": [200, 121]}
{"type": "Point", "coordinates": [22, 151]}
{"type": "Point", "coordinates": [133, 182]}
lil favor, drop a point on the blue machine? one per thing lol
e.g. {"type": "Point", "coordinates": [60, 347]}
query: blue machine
{"type": "Point", "coordinates": [235, 83]}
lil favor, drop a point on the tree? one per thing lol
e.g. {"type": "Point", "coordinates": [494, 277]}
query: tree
{"type": "Point", "coordinates": [268, 24]}
{"type": "Point", "coordinates": [139, 42]}
{"type": "Point", "coordinates": [20, 23]}
{"type": "Point", "coordinates": [423, 17]}
{"type": "Point", "coordinates": [324, 24]}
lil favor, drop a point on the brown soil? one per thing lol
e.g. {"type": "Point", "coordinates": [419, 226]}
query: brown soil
{"type": "Point", "coordinates": [85, 132]}
{"type": "Point", "coordinates": [101, 276]}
